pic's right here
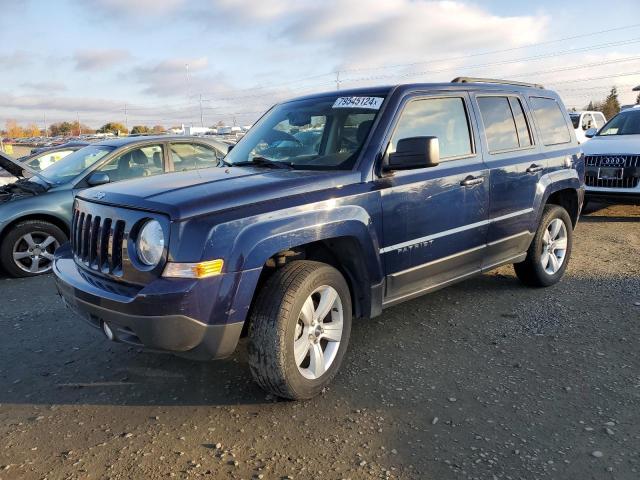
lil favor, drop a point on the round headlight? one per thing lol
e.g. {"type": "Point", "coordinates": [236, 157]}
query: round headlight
{"type": "Point", "coordinates": [150, 243]}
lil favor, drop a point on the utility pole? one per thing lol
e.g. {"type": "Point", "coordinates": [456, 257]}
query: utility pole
{"type": "Point", "coordinates": [46, 132]}
{"type": "Point", "coordinates": [79, 128]}
{"type": "Point", "coordinates": [338, 80]}
{"type": "Point", "coordinates": [126, 119]}
{"type": "Point", "coordinates": [201, 117]}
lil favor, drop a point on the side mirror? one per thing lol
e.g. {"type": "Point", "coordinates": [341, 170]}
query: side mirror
{"type": "Point", "coordinates": [591, 132]}
{"type": "Point", "coordinates": [98, 178]}
{"type": "Point", "coordinates": [415, 152]}
{"type": "Point", "coordinates": [230, 148]}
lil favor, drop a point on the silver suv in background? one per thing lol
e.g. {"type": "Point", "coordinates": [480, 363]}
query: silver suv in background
{"type": "Point", "coordinates": [612, 158]}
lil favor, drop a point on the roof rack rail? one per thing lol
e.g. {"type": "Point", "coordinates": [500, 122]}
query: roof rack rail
{"type": "Point", "coordinates": [493, 80]}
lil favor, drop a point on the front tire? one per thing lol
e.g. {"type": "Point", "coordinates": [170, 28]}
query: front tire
{"type": "Point", "coordinates": [549, 252]}
{"type": "Point", "coordinates": [299, 329]}
{"type": "Point", "coordinates": [27, 249]}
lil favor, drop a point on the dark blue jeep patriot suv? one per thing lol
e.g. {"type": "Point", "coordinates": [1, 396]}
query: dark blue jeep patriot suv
{"type": "Point", "coordinates": [333, 206]}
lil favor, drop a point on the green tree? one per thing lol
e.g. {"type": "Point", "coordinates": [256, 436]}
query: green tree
{"type": "Point", "coordinates": [137, 129]}
{"type": "Point", "coordinates": [611, 104]}
{"type": "Point", "coordinates": [113, 127]}
{"type": "Point", "coordinates": [61, 128]}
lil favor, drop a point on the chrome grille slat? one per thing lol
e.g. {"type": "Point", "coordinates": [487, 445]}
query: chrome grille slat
{"type": "Point", "coordinates": [97, 242]}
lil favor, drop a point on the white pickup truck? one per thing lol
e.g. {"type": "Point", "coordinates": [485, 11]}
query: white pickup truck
{"type": "Point", "coordinates": [584, 120]}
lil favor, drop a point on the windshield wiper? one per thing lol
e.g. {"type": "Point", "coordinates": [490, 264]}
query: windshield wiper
{"type": "Point", "coordinates": [223, 163]}
{"type": "Point", "coordinates": [265, 162]}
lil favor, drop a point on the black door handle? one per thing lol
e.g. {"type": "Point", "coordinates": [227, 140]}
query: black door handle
{"type": "Point", "coordinates": [470, 181]}
{"type": "Point", "coordinates": [535, 168]}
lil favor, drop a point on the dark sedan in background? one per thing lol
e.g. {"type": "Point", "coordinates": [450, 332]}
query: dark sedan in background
{"type": "Point", "coordinates": [35, 211]}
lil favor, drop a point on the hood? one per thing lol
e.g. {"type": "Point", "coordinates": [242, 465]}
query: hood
{"type": "Point", "coordinates": [612, 145]}
{"type": "Point", "coordinates": [11, 165]}
{"type": "Point", "coordinates": [16, 167]}
{"type": "Point", "coordinates": [187, 194]}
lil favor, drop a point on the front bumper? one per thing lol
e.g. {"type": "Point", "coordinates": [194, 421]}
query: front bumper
{"type": "Point", "coordinates": [623, 195]}
{"type": "Point", "coordinates": [190, 318]}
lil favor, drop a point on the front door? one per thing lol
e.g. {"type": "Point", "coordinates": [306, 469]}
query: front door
{"type": "Point", "coordinates": [434, 219]}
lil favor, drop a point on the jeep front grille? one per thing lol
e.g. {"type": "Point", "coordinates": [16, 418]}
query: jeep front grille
{"type": "Point", "coordinates": [97, 242]}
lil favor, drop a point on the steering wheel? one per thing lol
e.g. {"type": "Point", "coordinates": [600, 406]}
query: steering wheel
{"type": "Point", "coordinates": [275, 135]}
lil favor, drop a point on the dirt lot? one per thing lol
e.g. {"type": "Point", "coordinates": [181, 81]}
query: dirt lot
{"type": "Point", "coordinates": [486, 379]}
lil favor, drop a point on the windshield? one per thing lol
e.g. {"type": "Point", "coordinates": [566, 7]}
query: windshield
{"type": "Point", "coordinates": [575, 119]}
{"type": "Point", "coordinates": [72, 165]}
{"type": "Point", "coordinates": [324, 133]}
{"type": "Point", "coordinates": [625, 123]}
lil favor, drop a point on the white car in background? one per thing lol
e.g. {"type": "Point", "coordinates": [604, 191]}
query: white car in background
{"type": "Point", "coordinates": [612, 158]}
{"type": "Point", "coordinates": [584, 120]}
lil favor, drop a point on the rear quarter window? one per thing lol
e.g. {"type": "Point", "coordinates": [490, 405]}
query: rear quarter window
{"type": "Point", "coordinates": [551, 121]}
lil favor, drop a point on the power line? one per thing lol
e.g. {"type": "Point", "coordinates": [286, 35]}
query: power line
{"type": "Point", "coordinates": [493, 52]}
{"type": "Point", "coordinates": [493, 64]}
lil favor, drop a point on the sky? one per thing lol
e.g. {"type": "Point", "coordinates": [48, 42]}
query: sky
{"type": "Point", "coordinates": [173, 62]}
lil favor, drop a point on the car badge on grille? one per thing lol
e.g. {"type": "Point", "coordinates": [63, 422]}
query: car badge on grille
{"type": "Point", "coordinates": [99, 195]}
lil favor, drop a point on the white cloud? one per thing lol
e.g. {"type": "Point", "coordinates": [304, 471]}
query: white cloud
{"type": "Point", "coordinates": [60, 104]}
{"type": "Point", "coordinates": [99, 59]}
{"type": "Point", "coordinates": [44, 87]}
{"type": "Point", "coordinates": [135, 7]}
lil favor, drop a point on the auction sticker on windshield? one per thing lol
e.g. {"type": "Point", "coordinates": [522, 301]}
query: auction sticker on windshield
{"type": "Point", "coordinates": [371, 103]}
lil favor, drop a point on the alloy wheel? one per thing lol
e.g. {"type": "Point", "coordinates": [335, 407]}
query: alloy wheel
{"type": "Point", "coordinates": [318, 332]}
{"type": "Point", "coordinates": [33, 252]}
{"type": "Point", "coordinates": [554, 246]}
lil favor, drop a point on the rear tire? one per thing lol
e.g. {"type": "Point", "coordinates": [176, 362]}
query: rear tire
{"type": "Point", "coordinates": [27, 248]}
{"type": "Point", "coordinates": [299, 329]}
{"type": "Point", "coordinates": [550, 250]}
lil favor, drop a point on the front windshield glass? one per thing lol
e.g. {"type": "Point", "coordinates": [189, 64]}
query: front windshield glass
{"type": "Point", "coordinates": [625, 123]}
{"type": "Point", "coordinates": [74, 164]}
{"type": "Point", "coordinates": [324, 133]}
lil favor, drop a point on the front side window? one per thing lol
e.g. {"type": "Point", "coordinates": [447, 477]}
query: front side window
{"type": "Point", "coordinates": [193, 156]}
{"type": "Point", "coordinates": [624, 123]}
{"type": "Point", "coordinates": [445, 118]}
{"type": "Point", "coordinates": [499, 124]}
{"type": "Point", "coordinates": [322, 133]}
{"type": "Point", "coordinates": [551, 121]}
{"type": "Point", "coordinates": [75, 163]}
{"type": "Point", "coordinates": [600, 121]}
{"type": "Point", "coordinates": [140, 162]}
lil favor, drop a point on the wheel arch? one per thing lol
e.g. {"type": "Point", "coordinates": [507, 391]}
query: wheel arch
{"type": "Point", "coordinates": [561, 187]}
{"type": "Point", "coordinates": [343, 237]}
{"type": "Point", "coordinates": [53, 219]}
{"type": "Point", "coordinates": [568, 199]}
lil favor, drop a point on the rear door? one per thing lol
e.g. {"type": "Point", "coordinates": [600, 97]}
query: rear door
{"type": "Point", "coordinates": [516, 165]}
{"type": "Point", "coordinates": [434, 219]}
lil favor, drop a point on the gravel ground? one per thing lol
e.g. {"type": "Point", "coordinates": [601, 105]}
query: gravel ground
{"type": "Point", "coordinates": [486, 379]}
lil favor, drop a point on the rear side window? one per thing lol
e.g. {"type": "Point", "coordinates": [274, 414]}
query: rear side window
{"type": "Point", "coordinates": [524, 134]}
{"type": "Point", "coordinates": [551, 121]}
{"type": "Point", "coordinates": [445, 118]}
{"type": "Point", "coordinates": [499, 124]}
{"type": "Point", "coordinates": [192, 156]}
